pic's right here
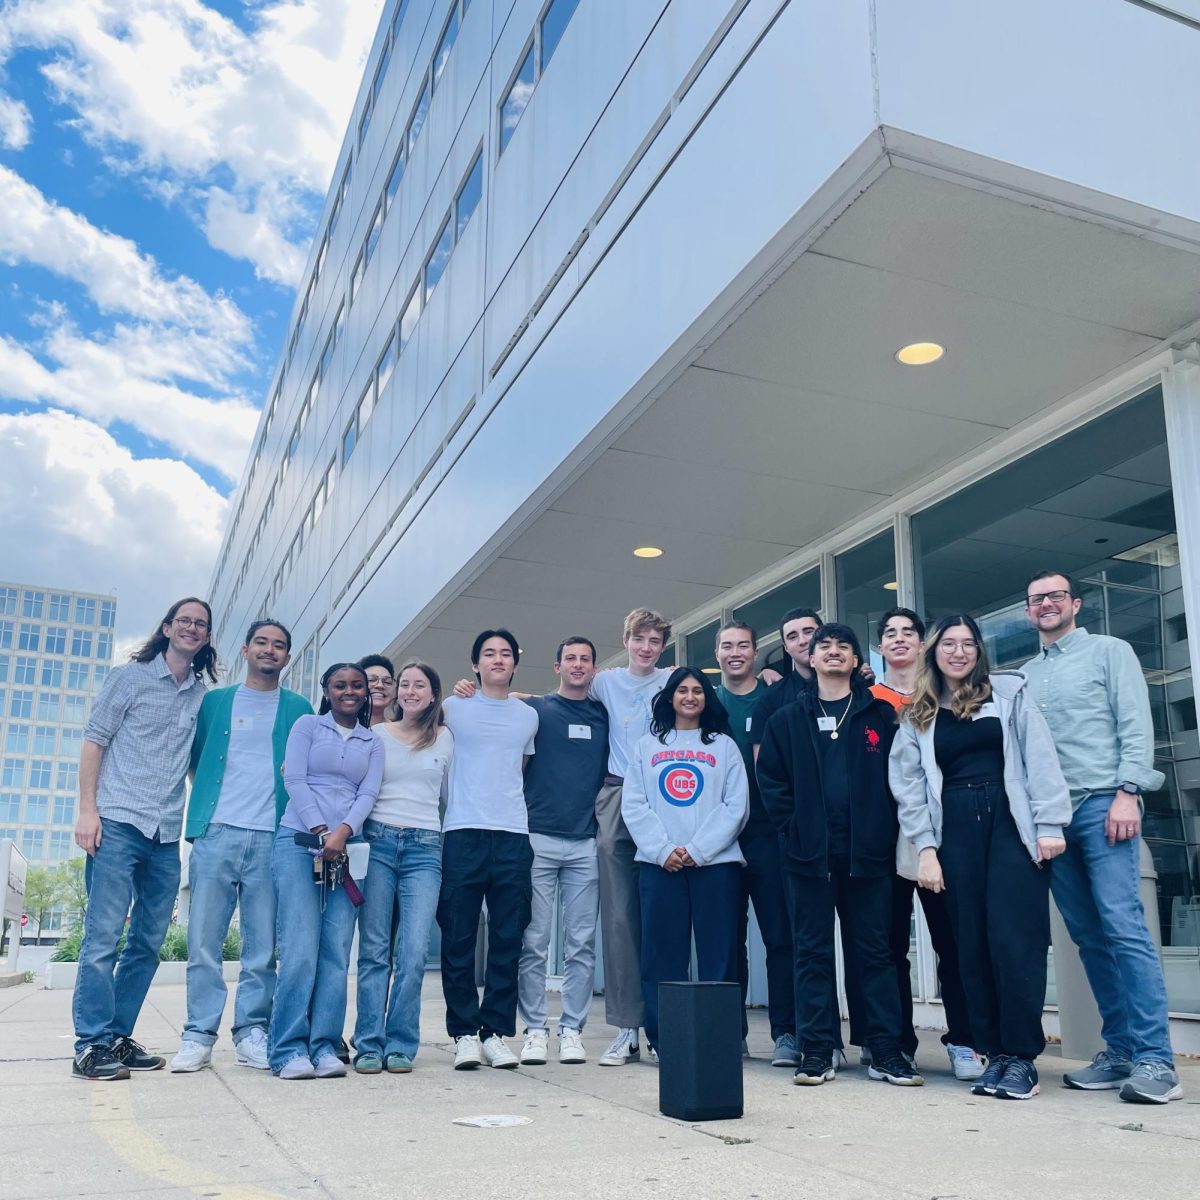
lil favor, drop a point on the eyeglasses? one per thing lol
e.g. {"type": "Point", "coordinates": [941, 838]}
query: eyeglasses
{"type": "Point", "coordinates": [965, 647]}
{"type": "Point", "coordinates": [386, 680]}
{"type": "Point", "coordinates": [1037, 600]}
{"type": "Point", "coordinates": [199, 624]}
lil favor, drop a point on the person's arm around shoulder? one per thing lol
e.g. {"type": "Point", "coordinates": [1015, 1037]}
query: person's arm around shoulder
{"type": "Point", "coordinates": [725, 822]}
{"type": "Point", "coordinates": [644, 824]}
{"type": "Point", "coordinates": [1049, 795]}
{"type": "Point", "coordinates": [773, 769]}
{"type": "Point", "coordinates": [108, 711]}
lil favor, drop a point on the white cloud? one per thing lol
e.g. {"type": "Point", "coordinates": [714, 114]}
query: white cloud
{"type": "Point", "coordinates": [188, 94]}
{"type": "Point", "coordinates": [82, 512]}
{"type": "Point", "coordinates": [14, 123]}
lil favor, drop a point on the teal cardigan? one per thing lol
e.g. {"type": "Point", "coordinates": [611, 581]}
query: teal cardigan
{"type": "Point", "coordinates": [211, 745]}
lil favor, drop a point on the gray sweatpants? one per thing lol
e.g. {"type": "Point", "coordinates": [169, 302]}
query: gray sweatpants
{"type": "Point", "coordinates": [620, 913]}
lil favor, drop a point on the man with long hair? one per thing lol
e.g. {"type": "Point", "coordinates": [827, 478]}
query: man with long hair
{"type": "Point", "coordinates": [238, 797]}
{"type": "Point", "coordinates": [132, 770]}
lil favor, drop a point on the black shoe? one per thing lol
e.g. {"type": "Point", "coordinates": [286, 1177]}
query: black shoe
{"type": "Point", "coordinates": [1020, 1081]}
{"type": "Point", "coordinates": [815, 1069]}
{"type": "Point", "coordinates": [97, 1062]}
{"type": "Point", "coordinates": [134, 1056]}
{"type": "Point", "coordinates": [893, 1067]}
{"type": "Point", "coordinates": [985, 1085]}
{"type": "Point", "coordinates": [343, 1051]}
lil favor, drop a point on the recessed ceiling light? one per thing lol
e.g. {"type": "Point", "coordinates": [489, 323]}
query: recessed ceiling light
{"type": "Point", "coordinates": [647, 552]}
{"type": "Point", "coordinates": [711, 670]}
{"type": "Point", "coordinates": [891, 587]}
{"type": "Point", "coordinates": [920, 354]}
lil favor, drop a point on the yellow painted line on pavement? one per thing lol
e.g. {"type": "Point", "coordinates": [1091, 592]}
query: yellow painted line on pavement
{"type": "Point", "coordinates": [115, 1124]}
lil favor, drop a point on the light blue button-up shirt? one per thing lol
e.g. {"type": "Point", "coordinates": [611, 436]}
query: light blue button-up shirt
{"type": "Point", "coordinates": [1093, 695]}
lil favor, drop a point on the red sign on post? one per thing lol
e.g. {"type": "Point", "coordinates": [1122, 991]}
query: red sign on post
{"type": "Point", "coordinates": [24, 920]}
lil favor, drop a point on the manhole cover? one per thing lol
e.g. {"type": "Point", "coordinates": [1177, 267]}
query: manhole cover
{"type": "Point", "coordinates": [493, 1121]}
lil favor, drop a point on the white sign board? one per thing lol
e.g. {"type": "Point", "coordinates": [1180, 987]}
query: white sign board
{"type": "Point", "coordinates": [12, 873]}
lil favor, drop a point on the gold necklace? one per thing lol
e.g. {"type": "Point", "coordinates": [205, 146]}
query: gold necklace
{"type": "Point", "coordinates": [833, 733]}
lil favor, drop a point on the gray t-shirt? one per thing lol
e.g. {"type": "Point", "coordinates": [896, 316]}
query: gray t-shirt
{"type": "Point", "coordinates": [626, 698]}
{"type": "Point", "coordinates": [490, 738]}
{"type": "Point", "coordinates": [247, 798]}
{"type": "Point", "coordinates": [563, 777]}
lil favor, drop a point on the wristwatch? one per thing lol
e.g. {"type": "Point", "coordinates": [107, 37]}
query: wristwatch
{"type": "Point", "coordinates": [1131, 788]}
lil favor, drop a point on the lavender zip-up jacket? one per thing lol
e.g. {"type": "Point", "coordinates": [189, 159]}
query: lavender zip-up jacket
{"type": "Point", "coordinates": [330, 779]}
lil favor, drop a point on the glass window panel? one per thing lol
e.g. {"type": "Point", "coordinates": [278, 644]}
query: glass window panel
{"type": "Point", "coordinates": [385, 56]}
{"type": "Point", "coordinates": [468, 197]}
{"type": "Point", "coordinates": [52, 673]}
{"type": "Point", "coordinates": [384, 368]}
{"type": "Point", "coordinates": [366, 405]}
{"type": "Point", "coordinates": [364, 122]}
{"type": "Point", "coordinates": [74, 709]}
{"type": "Point", "coordinates": [81, 643]}
{"type": "Point", "coordinates": [401, 9]}
{"type": "Point", "coordinates": [397, 174]}
{"type": "Point", "coordinates": [39, 772]}
{"type": "Point", "coordinates": [417, 121]}
{"type": "Point", "coordinates": [33, 844]}
{"type": "Point", "coordinates": [12, 773]}
{"type": "Point", "coordinates": [10, 808]}
{"type": "Point", "coordinates": [700, 650]}
{"type": "Point", "coordinates": [60, 606]}
{"type": "Point", "coordinates": [435, 265]}
{"type": "Point", "coordinates": [866, 589]}
{"type": "Point", "coordinates": [85, 612]}
{"type": "Point", "coordinates": [442, 55]}
{"type": "Point", "coordinates": [373, 233]}
{"type": "Point", "coordinates": [554, 24]}
{"type": "Point", "coordinates": [349, 439]}
{"type": "Point", "coordinates": [8, 600]}
{"type": "Point", "coordinates": [356, 278]}
{"type": "Point", "coordinates": [16, 739]}
{"type": "Point", "coordinates": [32, 604]}
{"type": "Point", "coordinates": [47, 706]}
{"type": "Point", "coordinates": [765, 613]}
{"type": "Point", "coordinates": [517, 99]}
{"type": "Point", "coordinates": [56, 639]}
{"type": "Point", "coordinates": [108, 613]}
{"type": "Point", "coordinates": [6, 634]}
{"type": "Point", "coordinates": [44, 737]}
{"type": "Point", "coordinates": [5, 659]}
{"type": "Point", "coordinates": [20, 705]}
{"type": "Point", "coordinates": [25, 669]}
{"type": "Point", "coordinates": [412, 312]}
{"type": "Point", "coordinates": [78, 676]}
{"type": "Point", "coordinates": [29, 637]}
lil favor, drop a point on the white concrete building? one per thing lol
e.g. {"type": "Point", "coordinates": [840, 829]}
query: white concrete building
{"type": "Point", "coordinates": [597, 275]}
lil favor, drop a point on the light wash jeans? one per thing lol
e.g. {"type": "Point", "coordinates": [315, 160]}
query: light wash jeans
{"type": "Point", "coordinates": [568, 865]}
{"type": "Point", "coordinates": [230, 867]}
{"type": "Point", "coordinates": [314, 958]}
{"type": "Point", "coordinates": [1095, 886]}
{"type": "Point", "coordinates": [127, 868]}
{"type": "Point", "coordinates": [400, 895]}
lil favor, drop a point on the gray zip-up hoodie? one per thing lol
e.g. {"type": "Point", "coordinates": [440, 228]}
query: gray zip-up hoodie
{"type": "Point", "coordinates": [1033, 781]}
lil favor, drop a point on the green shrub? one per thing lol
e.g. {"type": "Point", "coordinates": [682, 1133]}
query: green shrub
{"type": "Point", "coordinates": [173, 949]}
{"type": "Point", "coordinates": [68, 949]}
{"type": "Point", "coordinates": [231, 951]}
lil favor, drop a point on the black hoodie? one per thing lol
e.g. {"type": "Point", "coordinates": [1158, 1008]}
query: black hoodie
{"type": "Point", "coordinates": [789, 778]}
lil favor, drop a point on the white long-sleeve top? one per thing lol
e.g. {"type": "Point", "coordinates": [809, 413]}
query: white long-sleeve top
{"type": "Point", "coordinates": [683, 793]}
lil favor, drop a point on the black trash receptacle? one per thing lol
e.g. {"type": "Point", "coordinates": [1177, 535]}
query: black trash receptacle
{"type": "Point", "coordinates": [700, 1051]}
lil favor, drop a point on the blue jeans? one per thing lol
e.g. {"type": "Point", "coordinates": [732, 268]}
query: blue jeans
{"type": "Point", "coordinates": [567, 866]}
{"type": "Point", "coordinates": [314, 957]}
{"type": "Point", "coordinates": [128, 868]}
{"type": "Point", "coordinates": [1095, 886]}
{"type": "Point", "coordinates": [230, 867]}
{"type": "Point", "coordinates": [400, 895]}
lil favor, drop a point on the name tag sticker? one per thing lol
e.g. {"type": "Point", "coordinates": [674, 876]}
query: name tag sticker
{"type": "Point", "coordinates": [580, 731]}
{"type": "Point", "coordinates": [749, 722]}
{"type": "Point", "coordinates": [242, 724]}
{"type": "Point", "coordinates": [826, 724]}
{"type": "Point", "coordinates": [187, 720]}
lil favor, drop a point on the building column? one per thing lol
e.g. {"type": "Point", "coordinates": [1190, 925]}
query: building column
{"type": "Point", "coordinates": [1181, 409]}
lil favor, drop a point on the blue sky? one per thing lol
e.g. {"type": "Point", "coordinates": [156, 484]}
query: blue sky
{"type": "Point", "coordinates": [162, 163]}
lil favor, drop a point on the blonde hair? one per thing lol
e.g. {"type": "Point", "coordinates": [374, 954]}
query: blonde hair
{"type": "Point", "coordinates": [647, 619]}
{"type": "Point", "coordinates": [966, 699]}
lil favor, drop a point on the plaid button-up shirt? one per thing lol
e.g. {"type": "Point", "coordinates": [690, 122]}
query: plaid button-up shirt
{"type": "Point", "coordinates": [144, 718]}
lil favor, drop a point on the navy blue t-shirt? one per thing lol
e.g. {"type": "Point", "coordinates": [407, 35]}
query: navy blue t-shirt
{"type": "Point", "coordinates": [568, 766]}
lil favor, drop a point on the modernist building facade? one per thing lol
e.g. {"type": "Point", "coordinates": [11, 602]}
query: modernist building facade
{"type": "Point", "coordinates": [56, 649]}
{"type": "Point", "coordinates": [604, 275]}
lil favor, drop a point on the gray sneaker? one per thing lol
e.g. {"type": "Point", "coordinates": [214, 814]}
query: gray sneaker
{"type": "Point", "coordinates": [785, 1054]}
{"type": "Point", "coordinates": [1105, 1073]}
{"type": "Point", "coordinates": [1152, 1082]}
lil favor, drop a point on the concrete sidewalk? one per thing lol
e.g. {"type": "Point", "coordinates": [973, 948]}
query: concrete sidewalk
{"type": "Point", "coordinates": [238, 1134]}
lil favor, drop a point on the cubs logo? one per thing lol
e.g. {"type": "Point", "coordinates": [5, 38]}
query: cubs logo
{"type": "Point", "coordinates": [680, 785]}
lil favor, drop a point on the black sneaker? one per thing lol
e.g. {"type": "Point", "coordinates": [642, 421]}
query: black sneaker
{"type": "Point", "coordinates": [1019, 1082]}
{"type": "Point", "coordinates": [893, 1067]}
{"type": "Point", "coordinates": [97, 1062]}
{"type": "Point", "coordinates": [343, 1050]}
{"type": "Point", "coordinates": [985, 1085]}
{"type": "Point", "coordinates": [134, 1056]}
{"type": "Point", "coordinates": [814, 1069]}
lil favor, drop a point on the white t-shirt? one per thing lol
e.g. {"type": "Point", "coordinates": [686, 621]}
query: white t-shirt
{"type": "Point", "coordinates": [490, 738]}
{"type": "Point", "coordinates": [412, 781]}
{"type": "Point", "coordinates": [247, 798]}
{"type": "Point", "coordinates": [626, 698]}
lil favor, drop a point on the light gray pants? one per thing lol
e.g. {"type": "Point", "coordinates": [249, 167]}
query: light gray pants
{"type": "Point", "coordinates": [566, 865]}
{"type": "Point", "coordinates": [620, 913]}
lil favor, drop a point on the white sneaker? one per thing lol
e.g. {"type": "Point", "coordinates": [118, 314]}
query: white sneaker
{"type": "Point", "coordinates": [570, 1047]}
{"type": "Point", "coordinates": [533, 1052]}
{"type": "Point", "coordinates": [652, 1056]}
{"type": "Point", "coordinates": [251, 1051]}
{"type": "Point", "coordinates": [966, 1063]}
{"type": "Point", "coordinates": [329, 1066]}
{"type": "Point", "coordinates": [624, 1049]}
{"type": "Point", "coordinates": [497, 1054]}
{"type": "Point", "coordinates": [192, 1056]}
{"type": "Point", "coordinates": [467, 1055]}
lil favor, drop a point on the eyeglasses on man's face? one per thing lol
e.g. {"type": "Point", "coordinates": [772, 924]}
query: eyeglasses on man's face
{"type": "Point", "coordinates": [199, 624]}
{"type": "Point", "coordinates": [1039, 598]}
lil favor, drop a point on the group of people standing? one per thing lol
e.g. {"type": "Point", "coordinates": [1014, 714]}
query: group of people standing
{"type": "Point", "coordinates": [656, 806]}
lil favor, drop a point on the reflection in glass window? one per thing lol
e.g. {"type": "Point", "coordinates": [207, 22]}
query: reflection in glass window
{"type": "Point", "coordinates": [385, 56]}
{"type": "Point", "coordinates": [16, 739]}
{"type": "Point", "coordinates": [85, 611]}
{"type": "Point", "coordinates": [373, 233]}
{"type": "Point", "coordinates": [445, 45]}
{"type": "Point", "coordinates": [32, 603]}
{"type": "Point", "coordinates": [60, 607]}
{"type": "Point", "coordinates": [700, 650]}
{"type": "Point", "coordinates": [517, 98]}
{"type": "Point", "coordinates": [554, 24]}
{"type": "Point", "coordinates": [6, 634]}
{"type": "Point", "coordinates": [81, 643]}
{"type": "Point", "coordinates": [356, 278]}
{"type": "Point", "coordinates": [8, 600]}
{"type": "Point", "coordinates": [29, 637]}
{"type": "Point", "coordinates": [468, 196]}
{"type": "Point", "coordinates": [364, 122]}
{"type": "Point", "coordinates": [397, 174]}
{"type": "Point", "coordinates": [44, 737]}
{"type": "Point", "coordinates": [417, 121]}
{"type": "Point", "coordinates": [765, 613]}
{"type": "Point", "coordinates": [438, 257]}
{"type": "Point", "coordinates": [25, 669]}
{"type": "Point", "coordinates": [866, 589]}
{"type": "Point", "coordinates": [366, 405]}
{"type": "Point", "coordinates": [401, 9]}
{"type": "Point", "coordinates": [52, 673]}
{"type": "Point", "coordinates": [384, 368]}
{"type": "Point", "coordinates": [408, 319]}
{"type": "Point", "coordinates": [349, 441]}
{"type": "Point", "coordinates": [108, 613]}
